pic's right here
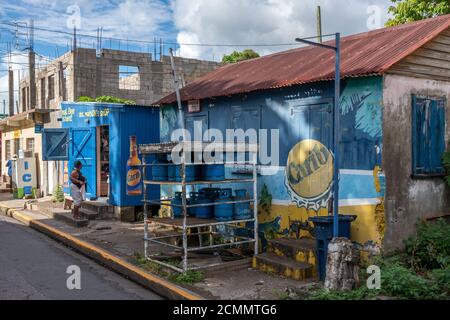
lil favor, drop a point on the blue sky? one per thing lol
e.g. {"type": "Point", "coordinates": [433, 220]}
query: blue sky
{"type": "Point", "coordinates": [182, 23]}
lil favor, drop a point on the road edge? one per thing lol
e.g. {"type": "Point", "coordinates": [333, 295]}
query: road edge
{"type": "Point", "coordinates": [120, 266]}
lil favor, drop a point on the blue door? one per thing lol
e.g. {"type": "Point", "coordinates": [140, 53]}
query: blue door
{"type": "Point", "coordinates": [313, 122]}
{"type": "Point", "coordinates": [83, 147]}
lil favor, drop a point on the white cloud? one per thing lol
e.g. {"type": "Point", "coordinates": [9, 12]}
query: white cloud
{"type": "Point", "coordinates": [133, 19]}
{"type": "Point", "coordinates": [18, 64]}
{"type": "Point", "coordinates": [264, 21]}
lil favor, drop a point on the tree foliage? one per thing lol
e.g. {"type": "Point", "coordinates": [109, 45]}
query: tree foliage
{"type": "Point", "coordinates": [404, 11]}
{"type": "Point", "coordinates": [106, 99]}
{"type": "Point", "coordinates": [237, 56]}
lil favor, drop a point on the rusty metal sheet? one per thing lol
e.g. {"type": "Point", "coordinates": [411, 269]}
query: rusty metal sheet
{"type": "Point", "coordinates": [370, 53]}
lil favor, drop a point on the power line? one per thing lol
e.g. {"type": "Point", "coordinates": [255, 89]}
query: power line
{"type": "Point", "coordinates": [169, 43]}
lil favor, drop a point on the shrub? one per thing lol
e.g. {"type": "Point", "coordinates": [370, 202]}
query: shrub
{"type": "Point", "coordinates": [399, 281]}
{"type": "Point", "coordinates": [430, 248]}
{"type": "Point", "coordinates": [442, 280]}
{"type": "Point", "coordinates": [106, 99]}
{"type": "Point", "coordinates": [58, 194]}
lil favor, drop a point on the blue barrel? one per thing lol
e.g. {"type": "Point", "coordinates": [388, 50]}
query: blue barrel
{"type": "Point", "coordinates": [159, 172]}
{"type": "Point", "coordinates": [178, 200]}
{"type": "Point", "coordinates": [323, 232]}
{"type": "Point", "coordinates": [212, 193]}
{"type": "Point", "coordinates": [198, 171]}
{"type": "Point", "coordinates": [241, 210]}
{"type": "Point", "coordinates": [213, 172]}
{"type": "Point", "coordinates": [171, 168]}
{"type": "Point", "coordinates": [205, 212]}
{"type": "Point", "coordinates": [192, 200]}
{"type": "Point", "coordinates": [224, 212]}
{"type": "Point", "coordinates": [174, 173]}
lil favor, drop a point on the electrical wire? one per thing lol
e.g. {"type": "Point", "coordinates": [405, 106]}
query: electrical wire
{"type": "Point", "coordinates": [165, 43]}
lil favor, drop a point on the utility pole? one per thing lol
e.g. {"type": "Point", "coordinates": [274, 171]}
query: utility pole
{"type": "Point", "coordinates": [62, 81]}
{"type": "Point", "coordinates": [11, 91]}
{"type": "Point", "coordinates": [319, 24]}
{"type": "Point", "coordinates": [74, 45]}
{"type": "Point", "coordinates": [31, 66]}
{"type": "Point", "coordinates": [336, 123]}
{"type": "Point", "coordinates": [4, 107]}
{"type": "Point", "coordinates": [154, 47]}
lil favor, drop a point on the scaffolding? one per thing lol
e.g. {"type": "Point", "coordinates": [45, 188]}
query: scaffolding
{"type": "Point", "coordinates": [184, 226]}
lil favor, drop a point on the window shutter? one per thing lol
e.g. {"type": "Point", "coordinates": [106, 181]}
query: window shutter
{"type": "Point", "coordinates": [55, 144]}
{"type": "Point", "coordinates": [437, 136]}
{"type": "Point", "coordinates": [428, 135]}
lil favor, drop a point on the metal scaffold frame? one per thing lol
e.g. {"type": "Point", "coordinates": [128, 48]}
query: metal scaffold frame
{"type": "Point", "coordinates": [186, 223]}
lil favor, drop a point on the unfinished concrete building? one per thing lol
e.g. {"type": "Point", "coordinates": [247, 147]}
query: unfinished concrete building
{"type": "Point", "coordinates": [86, 72]}
{"type": "Point", "coordinates": [123, 74]}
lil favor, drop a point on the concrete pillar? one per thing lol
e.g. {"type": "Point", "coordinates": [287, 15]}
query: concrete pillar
{"type": "Point", "coordinates": [342, 265]}
{"type": "Point", "coordinates": [11, 91]}
{"type": "Point", "coordinates": [31, 65]}
{"type": "Point", "coordinates": [62, 81]}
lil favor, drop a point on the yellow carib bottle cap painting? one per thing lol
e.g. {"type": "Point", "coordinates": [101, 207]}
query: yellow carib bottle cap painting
{"type": "Point", "coordinates": [309, 174]}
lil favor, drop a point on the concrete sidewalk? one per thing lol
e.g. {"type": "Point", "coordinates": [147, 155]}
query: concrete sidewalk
{"type": "Point", "coordinates": [116, 245]}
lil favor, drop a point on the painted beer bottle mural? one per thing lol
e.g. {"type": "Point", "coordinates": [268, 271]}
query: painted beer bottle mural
{"type": "Point", "coordinates": [134, 176]}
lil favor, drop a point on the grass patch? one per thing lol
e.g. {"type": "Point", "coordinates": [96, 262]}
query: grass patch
{"type": "Point", "coordinates": [190, 277]}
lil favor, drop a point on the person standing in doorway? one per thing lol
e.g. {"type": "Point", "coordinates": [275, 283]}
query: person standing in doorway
{"type": "Point", "coordinates": [9, 164]}
{"type": "Point", "coordinates": [78, 183]}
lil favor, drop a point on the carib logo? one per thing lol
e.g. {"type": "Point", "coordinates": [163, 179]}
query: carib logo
{"type": "Point", "coordinates": [309, 174]}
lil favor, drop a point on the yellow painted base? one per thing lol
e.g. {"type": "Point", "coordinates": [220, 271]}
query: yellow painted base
{"type": "Point", "coordinates": [363, 230]}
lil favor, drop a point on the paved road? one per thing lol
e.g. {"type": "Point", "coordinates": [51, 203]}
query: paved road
{"type": "Point", "coordinates": [33, 266]}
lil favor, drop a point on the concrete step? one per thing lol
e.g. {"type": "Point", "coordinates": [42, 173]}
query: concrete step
{"type": "Point", "coordinates": [103, 210]}
{"type": "Point", "coordinates": [300, 250]}
{"type": "Point", "coordinates": [271, 263]}
{"type": "Point", "coordinates": [95, 206]}
{"type": "Point", "coordinates": [68, 218]}
{"type": "Point", "coordinates": [89, 214]}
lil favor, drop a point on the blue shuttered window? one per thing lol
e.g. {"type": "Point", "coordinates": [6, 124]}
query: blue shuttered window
{"type": "Point", "coordinates": [428, 135]}
{"type": "Point", "coordinates": [55, 144]}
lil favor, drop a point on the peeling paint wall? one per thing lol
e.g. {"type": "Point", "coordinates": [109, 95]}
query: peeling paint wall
{"type": "Point", "coordinates": [408, 199]}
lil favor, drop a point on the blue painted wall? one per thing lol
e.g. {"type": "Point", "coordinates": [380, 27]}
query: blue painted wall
{"type": "Point", "coordinates": [123, 121]}
{"type": "Point", "coordinates": [302, 112]}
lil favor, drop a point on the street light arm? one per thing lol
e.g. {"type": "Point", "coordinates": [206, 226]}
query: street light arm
{"type": "Point", "coordinates": [316, 44]}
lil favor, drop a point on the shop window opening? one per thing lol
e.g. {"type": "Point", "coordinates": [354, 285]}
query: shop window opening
{"type": "Point", "coordinates": [104, 161]}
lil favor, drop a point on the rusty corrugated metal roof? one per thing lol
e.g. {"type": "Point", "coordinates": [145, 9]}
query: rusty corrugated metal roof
{"type": "Point", "coordinates": [370, 53]}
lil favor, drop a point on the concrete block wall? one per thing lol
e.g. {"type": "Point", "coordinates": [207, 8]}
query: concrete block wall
{"type": "Point", "coordinates": [89, 74]}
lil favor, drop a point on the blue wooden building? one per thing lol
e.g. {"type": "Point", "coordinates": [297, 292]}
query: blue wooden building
{"type": "Point", "coordinates": [98, 135]}
{"type": "Point", "coordinates": [393, 112]}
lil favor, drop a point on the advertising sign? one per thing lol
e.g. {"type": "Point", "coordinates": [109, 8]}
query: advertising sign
{"type": "Point", "coordinates": [309, 174]}
{"type": "Point", "coordinates": [24, 177]}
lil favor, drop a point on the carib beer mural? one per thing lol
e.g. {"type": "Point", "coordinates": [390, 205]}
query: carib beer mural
{"type": "Point", "coordinates": [301, 185]}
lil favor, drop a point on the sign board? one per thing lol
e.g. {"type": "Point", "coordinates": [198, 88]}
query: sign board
{"type": "Point", "coordinates": [24, 176]}
{"type": "Point", "coordinates": [193, 106]}
{"type": "Point", "coordinates": [38, 128]}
